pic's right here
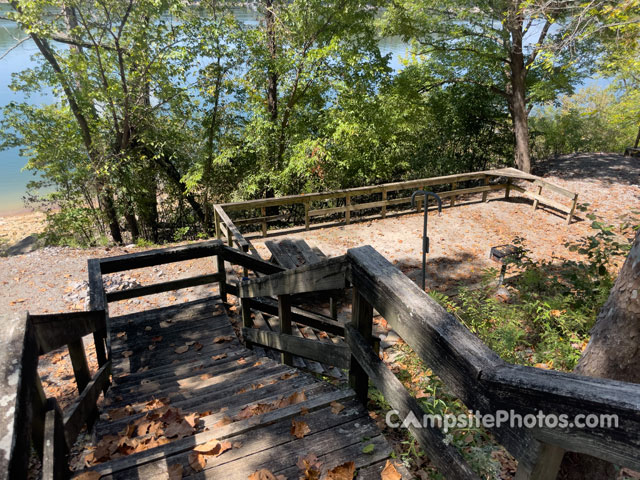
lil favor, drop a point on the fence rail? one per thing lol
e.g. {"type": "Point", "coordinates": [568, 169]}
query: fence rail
{"type": "Point", "coordinates": [471, 371]}
{"type": "Point", "coordinates": [312, 203]}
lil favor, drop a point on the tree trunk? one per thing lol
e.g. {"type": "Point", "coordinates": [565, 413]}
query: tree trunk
{"type": "Point", "coordinates": [613, 352]}
{"type": "Point", "coordinates": [272, 74]}
{"type": "Point", "coordinates": [635, 145]}
{"type": "Point", "coordinates": [518, 90]}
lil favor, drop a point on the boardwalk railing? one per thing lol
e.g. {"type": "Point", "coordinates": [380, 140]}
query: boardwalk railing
{"type": "Point", "coordinates": [391, 195]}
{"type": "Point", "coordinates": [28, 417]}
{"type": "Point", "coordinates": [471, 371]}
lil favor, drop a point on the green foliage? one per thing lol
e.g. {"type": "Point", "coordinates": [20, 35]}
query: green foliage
{"type": "Point", "coordinates": [553, 305]}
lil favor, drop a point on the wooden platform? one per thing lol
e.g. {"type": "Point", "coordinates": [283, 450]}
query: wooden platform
{"type": "Point", "coordinates": [236, 395]}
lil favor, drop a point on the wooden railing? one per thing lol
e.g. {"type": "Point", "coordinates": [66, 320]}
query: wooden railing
{"type": "Point", "coordinates": [391, 195]}
{"type": "Point", "coordinates": [28, 417]}
{"type": "Point", "coordinates": [471, 371]}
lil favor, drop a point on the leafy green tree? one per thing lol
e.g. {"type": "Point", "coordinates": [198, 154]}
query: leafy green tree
{"type": "Point", "coordinates": [513, 48]}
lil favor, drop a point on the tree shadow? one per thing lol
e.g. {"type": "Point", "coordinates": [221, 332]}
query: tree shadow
{"type": "Point", "coordinates": [605, 167]}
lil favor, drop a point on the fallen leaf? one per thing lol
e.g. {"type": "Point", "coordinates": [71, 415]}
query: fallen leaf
{"type": "Point", "coordinates": [368, 449]}
{"type": "Point", "coordinates": [299, 428]}
{"type": "Point", "coordinates": [265, 474]}
{"type": "Point", "coordinates": [90, 475]}
{"type": "Point", "coordinates": [157, 338]}
{"type": "Point", "coordinates": [197, 346]}
{"type": "Point", "coordinates": [213, 447]}
{"type": "Point", "coordinates": [182, 349]}
{"type": "Point", "coordinates": [346, 471]}
{"type": "Point", "coordinates": [223, 338]}
{"type": "Point", "coordinates": [192, 419]}
{"type": "Point", "coordinates": [389, 472]}
{"type": "Point", "coordinates": [175, 471]}
{"type": "Point", "coordinates": [127, 353]}
{"type": "Point", "coordinates": [224, 421]}
{"type": "Point", "coordinates": [336, 407]}
{"type": "Point", "coordinates": [310, 467]}
{"type": "Point", "coordinates": [189, 343]}
{"type": "Point", "coordinates": [197, 462]}
{"type": "Point", "coordinates": [219, 357]}
{"type": "Point", "coordinates": [148, 328]}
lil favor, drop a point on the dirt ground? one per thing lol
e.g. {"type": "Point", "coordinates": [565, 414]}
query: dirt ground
{"type": "Point", "coordinates": [50, 279]}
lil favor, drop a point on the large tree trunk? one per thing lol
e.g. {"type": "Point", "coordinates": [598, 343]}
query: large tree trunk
{"type": "Point", "coordinates": [518, 90]}
{"type": "Point", "coordinates": [613, 352]}
{"type": "Point", "coordinates": [272, 74]}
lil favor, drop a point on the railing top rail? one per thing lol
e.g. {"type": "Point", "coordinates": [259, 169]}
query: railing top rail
{"type": "Point", "coordinates": [151, 258]}
{"type": "Point", "coordinates": [406, 184]}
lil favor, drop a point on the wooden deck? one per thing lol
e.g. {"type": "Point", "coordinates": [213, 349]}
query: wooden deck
{"type": "Point", "coordinates": [237, 396]}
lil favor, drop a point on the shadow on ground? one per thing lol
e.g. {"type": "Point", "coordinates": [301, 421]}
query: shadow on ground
{"type": "Point", "coordinates": [605, 167]}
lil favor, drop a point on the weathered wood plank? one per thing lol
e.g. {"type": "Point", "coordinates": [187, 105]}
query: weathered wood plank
{"type": "Point", "coordinates": [362, 321]}
{"type": "Point", "coordinates": [98, 302]}
{"type": "Point", "coordinates": [251, 262]}
{"type": "Point", "coordinates": [163, 287]}
{"type": "Point", "coordinates": [54, 459]}
{"type": "Point", "coordinates": [335, 355]}
{"type": "Point", "coordinates": [279, 255]}
{"type": "Point", "coordinates": [84, 407]}
{"type": "Point", "coordinates": [298, 315]}
{"type": "Point", "coordinates": [161, 256]}
{"type": "Point", "coordinates": [325, 275]}
{"type": "Point", "coordinates": [235, 233]}
{"type": "Point", "coordinates": [529, 390]}
{"type": "Point", "coordinates": [18, 362]}
{"type": "Point", "coordinates": [444, 455]}
{"type": "Point", "coordinates": [456, 355]}
{"type": "Point", "coordinates": [540, 198]}
{"type": "Point", "coordinates": [56, 330]}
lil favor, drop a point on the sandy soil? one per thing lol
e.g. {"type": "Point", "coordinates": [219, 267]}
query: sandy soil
{"type": "Point", "coordinates": [14, 227]}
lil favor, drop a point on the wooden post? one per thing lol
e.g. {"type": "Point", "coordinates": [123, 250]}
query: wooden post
{"type": "Point", "coordinates": [217, 222]}
{"type": "Point", "coordinates": [245, 271]}
{"type": "Point", "coordinates": [79, 364]}
{"type": "Point", "coordinates": [247, 321]}
{"type": "Point", "coordinates": [454, 185]}
{"type": "Point", "coordinates": [547, 464]}
{"type": "Point", "coordinates": [362, 320]}
{"type": "Point", "coordinates": [333, 307]}
{"type": "Point", "coordinates": [263, 211]}
{"type": "Point", "coordinates": [347, 206]}
{"type": "Point", "coordinates": [54, 461]}
{"type": "Point", "coordinates": [39, 409]}
{"type": "Point", "coordinates": [535, 201]}
{"type": "Point", "coordinates": [229, 237]}
{"type": "Point", "coordinates": [574, 204]}
{"type": "Point", "coordinates": [507, 190]}
{"type": "Point", "coordinates": [485, 195]}
{"type": "Point", "coordinates": [222, 283]}
{"type": "Point", "coordinates": [384, 207]}
{"type": "Point", "coordinates": [306, 215]}
{"type": "Point", "coordinates": [284, 313]}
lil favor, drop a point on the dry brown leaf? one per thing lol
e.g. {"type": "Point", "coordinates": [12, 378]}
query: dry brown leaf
{"type": "Point", "coordinates": [241, 361]}
{"type": "Point", "coordinates": [310, 467]}
{"type": "Point", "coordinates": [175, 471]}
{"type": "Point", "coordinates": [157, 339]}
{"type": "Point", "coordinates": [182, 349]}
{"type": "Point", "coordinates": [205, 376]}
{"type": "Point", "coordinates": [265, 474]}
{"type": "Point", "coordinates": [256, 409]}
{"type": "Point", "coordinates": [197, 346]}
{"type": "Point", "coordinates": [120, 334]}
{"type": "Point", "coordinates": [299, 428]}
{"type": "Point", "coordinates": [213, 448]}
{"type": "Point", "coordinates": [346, 471]}
{"type": "Point", "coordinates": [223, 338]}
{"type": "Point", "coordinates": [389, 472]}
{"type": "Point", "coordinates": [151, 347]}
{"type": "Point", "coordinates": [118, 413]}
{"type": "Point", "coordinates": [304, 410]}
{"type": "Point", "coordinates": [219, 357]}
{"type": "Point", "coordinates": [197, 462]}
{"type": "Point", "coordinates": [192, 419]}
{"type": "Point", "coordinates": [127, 353]}
{"type": "Point", "coordinates": [178, 429]}
{"type": "Point", "coordinates": [293, 399]}
{"type": "Point", "coordinates": [336, 407]}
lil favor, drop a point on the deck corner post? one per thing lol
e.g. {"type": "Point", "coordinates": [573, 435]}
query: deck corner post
{"type": "Point", "coordinates": [485, 194]}
{"type": "Point", "coordinates": [217, 223]}
{"type": "Point", "coordinates": [536, 201]}
{"type": "Point", "coordinates": [547, 464]}
{"type": "Point", "coordinates": [247, 322]}
{"type": "Point", "coordinates": [454, 186]}
{"type": "Point", "coordinates": [306, 215]}
{"type": "Point", "coordinates": [507, 190]}
{"type": "Point", "coordinates": [347, 209]}
{"type": "Point", "coordinates": [384, 205]}
{"type": "Point", "coordinates": [222, 283]}
{"type": "Point", "coordinates": [574, 204]}
{"type": "Point", "coordinates": [263, 211]}
{"type": "Point", "coordinates": [361, 320]}
{"type": "Point", "coordinates": [284, 314]}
